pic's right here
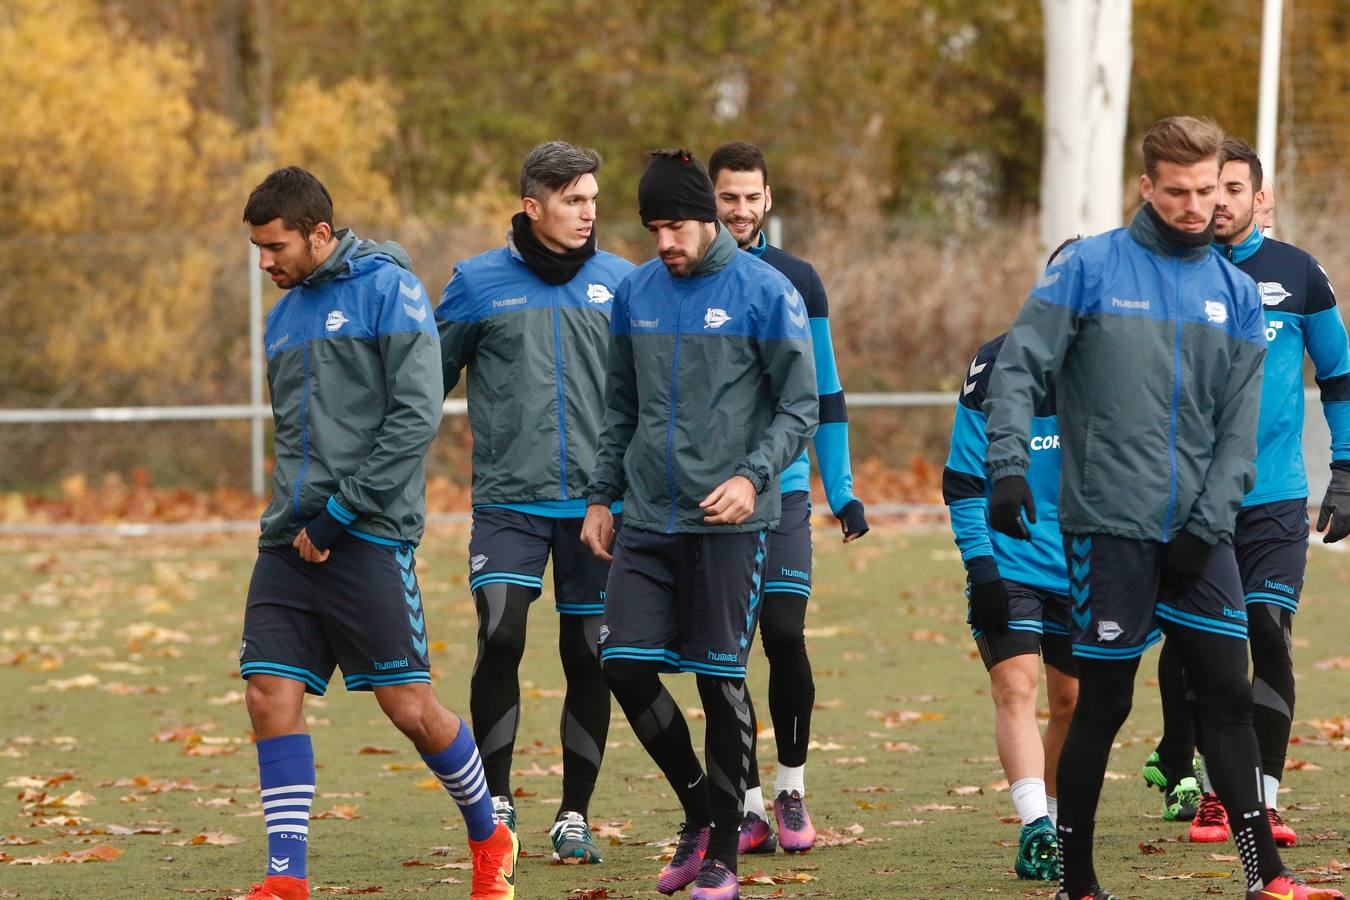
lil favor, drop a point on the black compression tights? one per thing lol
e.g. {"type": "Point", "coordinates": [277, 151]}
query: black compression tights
{"type": "Point", "coordinates": [494, 692]}
{"type": "Point", "coordinates": [664, 734]}
{"type": "Point", "coordinates": [792, 691]}
{"type": "Point", "coordinates": [1217, 667]}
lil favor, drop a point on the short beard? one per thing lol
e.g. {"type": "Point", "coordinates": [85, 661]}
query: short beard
{"type": "Point", "coordinates": [1239, 228]}
{"type": "Point", "coordinates": [690, 266]}
{"type": "Point", "coordinates": [753, 239]}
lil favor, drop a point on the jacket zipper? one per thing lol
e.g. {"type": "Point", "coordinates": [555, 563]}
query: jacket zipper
{"type": "Point", "coordinates": [674, 400]}
{"type": "Point", "coordinates": [562, 417]}
{"type": "Point", "coordinates": [304, 415]}
{"type": "Point", "coordinates": [1179, 315]}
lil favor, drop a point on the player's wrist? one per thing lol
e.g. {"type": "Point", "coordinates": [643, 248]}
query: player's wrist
{"type": "Point", "coordinates": [324, 530]}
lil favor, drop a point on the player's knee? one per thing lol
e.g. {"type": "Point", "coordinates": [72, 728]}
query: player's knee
{"type": "Point", "coordinates": [579, 654]}
{"type": "Point", "coordinates": [411, 711]}
{"type": "Point", "coordinates": [1013, 683]}
{"type": "Point", "coordinates": [783, 641]}
{"type": "Point", "coordinates": [1269, 639]}
{"type": "Point", "coordinates": [630, 678]}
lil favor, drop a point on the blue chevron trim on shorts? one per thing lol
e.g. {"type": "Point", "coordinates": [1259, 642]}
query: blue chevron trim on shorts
{"type": "Point", "coordinates": [580, 609]}
{"type": "Point", "coordinates": [1092, 651]}
{"type": "Point", "coordinates": [667, 658]}
{"type": "Point", "coordinates": [1052, 628]}
{"type": "Point", "coordinates": [699, 667]}
{"type": "Point", "coordinates": [1202, 623]}
{"type": "Point", "coordinates": [788, 587]}
{"type": "Point", "coordinates": [1289, 603]}
{"type": "Point", "coordinates": [312, 681]}
{"type": "Point", "coordinates": [532, 581]}
{"type": "Point", "coordinates": [1025, 625]}
{"type": "Point", "coordinates": [362, 681]}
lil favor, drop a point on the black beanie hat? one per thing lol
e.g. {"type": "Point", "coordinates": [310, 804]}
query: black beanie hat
{"type": "Point", "coordinates": [676, 187]}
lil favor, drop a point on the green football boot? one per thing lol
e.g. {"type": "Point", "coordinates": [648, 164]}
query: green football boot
{"type": "Point", "coordinates": [1038, 851]}
{"type": "Point", "coordinates": [1180, 803]}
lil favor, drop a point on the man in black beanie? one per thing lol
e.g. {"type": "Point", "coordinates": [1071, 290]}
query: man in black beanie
{"type": "Point", "coordinates": [710, 394]}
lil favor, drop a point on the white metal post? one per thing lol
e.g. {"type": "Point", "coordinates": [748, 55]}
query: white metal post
{"type": "Point", "coordinates": [255, 357]}
{"type": "Point", "coordinates": [1268, 103]}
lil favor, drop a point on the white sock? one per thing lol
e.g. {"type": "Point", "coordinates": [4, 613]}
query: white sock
{"type": "Point", "coordinates": [1272, 791]}
{"type": "Point", "coordinates": [1204, 778]}
{"type": "Point", "coordinates": [754, 802]}
{"type": "Point", "coordinates": [790, 778]}
{"type": "Point", "coordinates": [1028, 796]}
{"type": "Point", "coordinates": [1052, 808]}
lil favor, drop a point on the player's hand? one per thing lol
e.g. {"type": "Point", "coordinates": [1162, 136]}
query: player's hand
{"type": "Point", "coordinates": [1011, 495]}
{"type": "Point", "coordinates": [1335, 508]}
{"type": "Point", "coordinates": [308, 552]}
{"type": "Point", "coordinates": [730, 503]}
{"type": "Point", "coordinates": [597, 530]}
{"type": "Point", "coordinates": [989, 606]}
{"type": "Point", "coordinates": [1183, 561]}
{"type": "Point", "coordinates": [853, 521]}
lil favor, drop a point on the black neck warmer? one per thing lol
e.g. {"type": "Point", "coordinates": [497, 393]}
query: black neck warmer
{"type": "Point", "coordinates": [552, 268]}
{"type": "Point", "coordinates": [1187, 239]}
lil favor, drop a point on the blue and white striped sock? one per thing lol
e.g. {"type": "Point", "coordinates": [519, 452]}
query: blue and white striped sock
{"type": "Point", "coordinates": [460, 769]}
{"type": "Point", "coordinates": [286, 774]}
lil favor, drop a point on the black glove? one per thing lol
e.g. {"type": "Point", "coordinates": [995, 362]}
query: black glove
{"type": "Point", "coordinates": [1335, 507]}
{"type": "Point", "coordinates": [1183, 561]}
{"type": "Point", "coordinates": [989, 607]}
{"type": "Point", "coordinates": [854, 522]}
{"type": "Point", "coordinates": [324, 530]}
{"type": "Point", "coordinates": [1012, 494]}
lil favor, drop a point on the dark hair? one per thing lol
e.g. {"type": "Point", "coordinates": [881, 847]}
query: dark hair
{"type": "Point", "coordinates": [555, 165]}
{"type": "Point", "coordinates": [738, 156]}
{"type": "Point", "coordinates": [1182, 140]}
{"type": "Point", "coordinates": [1237, 150]}
{"type": "Point", "coordinates": [293, 195]}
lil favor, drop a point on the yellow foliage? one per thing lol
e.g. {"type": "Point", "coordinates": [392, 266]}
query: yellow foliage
{"type": "Point", "coordinates": [337, 132]}
{"type": "Point", "coordinates": [121, 238]}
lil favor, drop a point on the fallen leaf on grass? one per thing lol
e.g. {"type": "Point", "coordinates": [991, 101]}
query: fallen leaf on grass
{"type": "Point", "coordinates": [69, 684]}
{"type": "Point", "coordinates": [612, 830]}
{"type": "Point", "coordinates": [340, 811]}
{"type": "Point", "coordinates": [869, 789]}
{"type": "Point", "coordinates": [1301, 765]}
{"type": "Point", "coordinates": [965, 790]}
{"type": "Point", "coordinates": [38, 781]}
{"type": "Point", "coordinates": [1223, 857]}
{"type": "Point", "coordinates": [375, 751]}
{"type": "Point", "coordinates": [1185, 876]}
{"type": "Point", "coordinates": [896, 718]}
{"type": "Point", "coordinates": [99, 853]}
{"type": "Point", "coordinates": [14, 840]}
{"type": "Point", "coordinates": [900, 747]}
{"type": "Point", "coordinates": [208, 839]}
{"type": "Point", "coordinates": [849, 760]}
{"type": "Point", "coordinates": [942, 807]}
{"type": "Point", "coordinates": [1335, 662]}
{"type": "Point", "coordinates": [926, 635]}
{"type": "Point", "coordinates": [785, 877]}
{"type": "Point", "coordinates": [896, 823]}
{"type": "Point", "coordinates": [588, 894]}
{"type": "Point", "coordinates": [1150, 849]}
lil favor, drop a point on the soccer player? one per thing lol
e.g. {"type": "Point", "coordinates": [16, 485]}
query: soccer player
{"type": "Point", "coordinates": [711, 393]}
{"type": "Point", "coordinates": [1019, 609]}
{"type": "Point", "coordinates": [1155, 345]}
{"type": "Point", "coordinates": [356, 396]}
{"type": "Point", "coordinates": [1272, 527]}
{"type": "Point", "coordinates": [530, 320]}
{"type": "Point", "coordinates": [740, 184]}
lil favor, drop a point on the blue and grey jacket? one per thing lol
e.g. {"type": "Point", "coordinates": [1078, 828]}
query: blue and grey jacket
{"type": "Point", "coordinates": [831, 438]}
{"type": "Point", "coordinates": [355, 378]}
{"type": "Point", "coordinates": [1300, 317]}
{"type": "Point", "coordinates": [536, 359]}
{"type": "Point", "coordinates": [987, 554]}
{"type": "Point", "coordinates": [710, 376]}
{"type": "Point", "coordinates": [1156, 353]}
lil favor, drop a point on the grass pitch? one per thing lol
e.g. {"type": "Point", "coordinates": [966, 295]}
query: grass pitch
{"type": "Point", "coordinates": [125, 737]}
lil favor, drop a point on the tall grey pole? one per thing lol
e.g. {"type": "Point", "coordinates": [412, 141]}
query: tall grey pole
{"type": "Point", "coordinates": [255, 363]}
